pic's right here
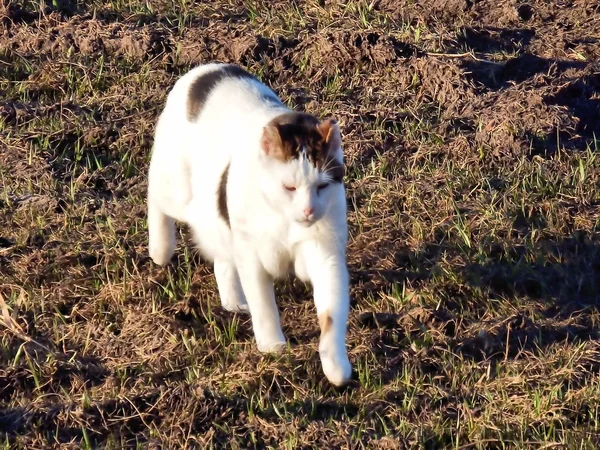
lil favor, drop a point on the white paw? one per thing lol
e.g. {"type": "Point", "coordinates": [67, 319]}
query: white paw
{"type": "Point", "coordinates": [337, 368]}
{"type": "Point", "coordinates": [161, 255]}
{"type": "Point", "coordinates": [271, 346]}
{"type": "Point", "coordinates": [235, 307]}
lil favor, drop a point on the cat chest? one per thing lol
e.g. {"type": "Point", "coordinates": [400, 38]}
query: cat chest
{"type": "Point", "coordinates": [276, 260]}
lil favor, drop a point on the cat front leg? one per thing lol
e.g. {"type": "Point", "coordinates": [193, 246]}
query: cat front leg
{"type": "Point", "coordinates": [257, 285]}
{"type": "Point", "coordinates": [327, 272]}
{"type": "Point", "coordinates": [161, 234]}
{"type": "Point", "coordinates": [230, 288]}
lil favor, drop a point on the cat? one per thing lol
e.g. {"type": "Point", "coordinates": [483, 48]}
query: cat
{"type": "Point", "coordinates": [261, 187]}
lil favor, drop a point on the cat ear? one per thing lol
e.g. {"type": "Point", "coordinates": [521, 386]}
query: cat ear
{"type": "Point", "coordinates": [330, 131]}
{"type": "Point", "coordinates": [271, 141]}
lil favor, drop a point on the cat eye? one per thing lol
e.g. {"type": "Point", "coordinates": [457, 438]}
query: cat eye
{"type": "Point", "coordinates": [322, 186]}
{"type": "Point", "coordinates": [290, 188]}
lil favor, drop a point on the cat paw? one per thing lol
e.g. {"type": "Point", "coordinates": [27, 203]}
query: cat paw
{"type": "Point", "coordinates": [161, 255]}
{"type": "Point", "coordinates": [238, 308]}
{"type": "Point", "coordinates": [271, 347]}
{"type": "Point", "coordinates": [337, 370]}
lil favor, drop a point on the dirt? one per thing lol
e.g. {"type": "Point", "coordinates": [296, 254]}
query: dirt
{"type": "Point", "coordinates": [455, 114]}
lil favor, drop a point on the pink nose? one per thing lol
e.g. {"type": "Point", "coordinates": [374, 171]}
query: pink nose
{"type": "Point", "coordinates": [308, 211]}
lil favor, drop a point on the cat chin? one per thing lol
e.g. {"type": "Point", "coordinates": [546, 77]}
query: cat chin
{"type": "Point", "coordinates": [305, 223]}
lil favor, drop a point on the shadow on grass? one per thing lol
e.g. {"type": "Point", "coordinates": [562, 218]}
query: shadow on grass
{"type": "Point", "coordinates": [561, 279]}
{"type": "Point", "coordinates": [574, 85]}
{"type": "Point", "coordinates": [554, 288]}
{"type": "Point", "coordinates": [577, 94]}
{"type": "Point", "coordinates": [570, 85]}
{"type": "Point", "coordinates": [492, 39]}
{"type": "Point", "coordinates": [66, 422]}
{"type": "Point", "coordinates": [205, 412]}
{"type": "Point", "coordinates": [59, 372]}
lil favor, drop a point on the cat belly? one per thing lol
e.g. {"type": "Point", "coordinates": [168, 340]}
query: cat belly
{"type": "Point", "coordinates": [211, 233]}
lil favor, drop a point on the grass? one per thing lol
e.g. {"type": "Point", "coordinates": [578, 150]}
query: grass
{"type": "Point", "coordinates": [473, 195]}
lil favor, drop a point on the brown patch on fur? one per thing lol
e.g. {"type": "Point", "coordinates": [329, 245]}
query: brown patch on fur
{"type": "Point", "coordinates": [222, 196]}
{"type": "Point", "coordinates": [325, 322]}
{"type": "Point", "coordinates": [287, 135]}
{"type": "Point", "coordinates": [203, 86]}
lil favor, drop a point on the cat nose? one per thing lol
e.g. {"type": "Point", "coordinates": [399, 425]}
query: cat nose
{"type": "Point", "coordinates": [308, 211]}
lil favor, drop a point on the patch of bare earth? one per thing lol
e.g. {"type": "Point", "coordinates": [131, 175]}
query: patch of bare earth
{"type": "Point", "coordinates": [470, 132]}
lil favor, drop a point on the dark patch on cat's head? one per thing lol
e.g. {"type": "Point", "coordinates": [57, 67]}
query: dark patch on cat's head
{"type": "Point", "coordinates": [294, 135]}
{"type": "Point", "coordinates": [202, 87]}
{"type": "Point", "coordinates": [222, 196]}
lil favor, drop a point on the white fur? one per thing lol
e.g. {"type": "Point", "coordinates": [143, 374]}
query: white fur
{"type": "Point", "coordinates": [270, 234]}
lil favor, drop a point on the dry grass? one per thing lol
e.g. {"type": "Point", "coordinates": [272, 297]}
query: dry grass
{"type": "Point", "coordinates": [474, 191]}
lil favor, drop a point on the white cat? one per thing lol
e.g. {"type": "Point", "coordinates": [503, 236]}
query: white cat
{"type": "Point", "coordinates": [261, 187]}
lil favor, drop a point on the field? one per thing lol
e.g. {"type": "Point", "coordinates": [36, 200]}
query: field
{"type": "Point", "coordinates": [471, 134]}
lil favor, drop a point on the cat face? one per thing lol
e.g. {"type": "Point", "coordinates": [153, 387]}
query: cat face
{"type": "Point", "coordinates": [303, 159]}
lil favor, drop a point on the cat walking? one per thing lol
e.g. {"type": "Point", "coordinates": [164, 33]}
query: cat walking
{"type": "Point", "coordinates": [261, 186]}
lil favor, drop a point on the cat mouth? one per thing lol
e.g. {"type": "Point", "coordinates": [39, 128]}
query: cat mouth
{"type": "Point", "coordinates": [306, 222]}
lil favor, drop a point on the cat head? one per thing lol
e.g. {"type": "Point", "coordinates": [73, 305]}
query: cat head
{"type": "Point", "coordinates": [304, 163]}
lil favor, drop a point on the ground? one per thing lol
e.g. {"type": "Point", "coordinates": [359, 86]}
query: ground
{"type": "Point", "coordinates": [473, 185]}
